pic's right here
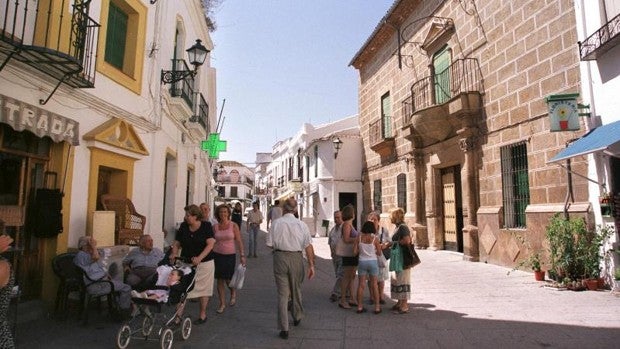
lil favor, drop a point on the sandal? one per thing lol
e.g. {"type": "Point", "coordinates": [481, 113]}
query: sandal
{"type": "Point", "coordinates": [233, 301]}
{"type": "Point", "coordinates": [344, 306]}
{"type": "Point", "coordinates": [220, 309]}
{"type": "Point", "coordinates": [377, 311]}
{"type": "Point", "coordinates": [361, 310]}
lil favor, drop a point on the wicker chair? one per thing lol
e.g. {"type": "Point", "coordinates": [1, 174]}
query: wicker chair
{"type": "Point", "coordinates": [129, 224]}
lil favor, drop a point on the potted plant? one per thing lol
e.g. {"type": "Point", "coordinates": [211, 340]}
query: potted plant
{"type": "Point", "coordinates": [533, 261]}
{"type": "Point", "coordinates": [616, 280]}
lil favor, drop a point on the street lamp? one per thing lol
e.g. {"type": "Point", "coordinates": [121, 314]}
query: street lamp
{"type": "Point", "coordinates": [337, 145]}
{"type": "Point", "coordinates": [196, 54]}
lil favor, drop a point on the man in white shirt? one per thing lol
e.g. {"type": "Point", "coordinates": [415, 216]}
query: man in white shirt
{"type": "Point", "coordinates": [289, 237]}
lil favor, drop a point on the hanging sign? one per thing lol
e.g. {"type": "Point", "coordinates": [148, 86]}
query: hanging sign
{"type": "Point", "coordinates": [563, 112]}
{"type": "Point", "coordinates": [23, 116]}
{"type": "Point", "coordinates": [213, 145]}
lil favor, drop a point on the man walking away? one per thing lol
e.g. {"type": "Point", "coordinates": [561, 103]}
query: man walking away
{"type": "Point", "coordinates": [334, 236]}
{"type": "Point", "coordinates": [289, 237]}
{"type": "Point", "coordinates": [274, 213]}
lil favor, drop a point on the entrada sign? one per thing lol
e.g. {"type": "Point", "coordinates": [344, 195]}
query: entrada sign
{"type": "Point", "coordinates": [23, 116]}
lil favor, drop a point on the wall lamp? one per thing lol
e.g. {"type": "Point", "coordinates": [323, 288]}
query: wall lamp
{"type": "Point", "coordinates": [196, 54]}
{"type": "Point", "coordinates": [337, 145]}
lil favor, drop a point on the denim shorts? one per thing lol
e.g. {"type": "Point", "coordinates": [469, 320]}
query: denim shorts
{"type": "Point", "coordinates": [368, 267]}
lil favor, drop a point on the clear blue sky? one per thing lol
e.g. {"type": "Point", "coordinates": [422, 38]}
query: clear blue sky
{"type": "Point", "coordinates": [281, 63]}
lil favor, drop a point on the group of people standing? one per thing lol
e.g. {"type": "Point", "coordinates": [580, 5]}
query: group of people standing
{"type": "Point", "coordinates": [366, 253]}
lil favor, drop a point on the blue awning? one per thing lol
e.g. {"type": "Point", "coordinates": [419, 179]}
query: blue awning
{"type": "Point", "coordinates": [601, 138]}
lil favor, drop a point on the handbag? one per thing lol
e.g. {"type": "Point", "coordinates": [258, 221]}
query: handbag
{"type": "Point", "coordinates": [410, 256]}
{"type": "Point", "coordinates": [237, 279]}
{"type": "Point", "coordinates": [381, 261]}
{"type": "Point", "coordinates": [396, 261]}
{"type": "Point", "coordinates": [343, 249]}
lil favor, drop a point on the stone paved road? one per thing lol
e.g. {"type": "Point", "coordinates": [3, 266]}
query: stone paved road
{"type": "Point", "coordinates": [456, 304]}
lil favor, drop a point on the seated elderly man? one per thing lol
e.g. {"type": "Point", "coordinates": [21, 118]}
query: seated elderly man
{"type": "Point", "coordinates": [89, 260]}
{"type": "Point", "coordinates": [140, 264]}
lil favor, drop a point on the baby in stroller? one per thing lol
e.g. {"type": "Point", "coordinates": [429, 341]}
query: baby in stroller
{"type": "Point", "coordinates": [168, 282]}
{"type": "Point", "coordinates": [166, 297]}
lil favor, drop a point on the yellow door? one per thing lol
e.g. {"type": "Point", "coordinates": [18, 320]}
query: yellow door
{"type": "Point", "coordinates": [449, 209]}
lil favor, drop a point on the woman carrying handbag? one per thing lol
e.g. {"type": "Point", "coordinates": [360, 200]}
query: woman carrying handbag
{"type": "Point", "coordinates": [401, 287]}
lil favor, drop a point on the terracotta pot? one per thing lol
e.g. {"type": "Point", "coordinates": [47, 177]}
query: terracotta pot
{"type": "Point", "coordinates": [600, 283]}
{"type": "Point", "coordinates": [591, 284]}
{"type": "Point", "coordinates": [539, 275]}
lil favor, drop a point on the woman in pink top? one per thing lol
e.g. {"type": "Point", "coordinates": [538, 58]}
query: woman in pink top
{"type": "Point", "coordinates": [227, 235]}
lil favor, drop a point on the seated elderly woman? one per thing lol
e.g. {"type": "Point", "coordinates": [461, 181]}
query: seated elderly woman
{"type": "Point", "coordinates": [89, 260]}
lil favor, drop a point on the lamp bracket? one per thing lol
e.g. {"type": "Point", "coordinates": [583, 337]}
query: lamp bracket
{"type": "Point", "coordinates": [172, 76]}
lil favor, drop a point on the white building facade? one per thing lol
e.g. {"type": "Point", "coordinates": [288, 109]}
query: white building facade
{"type": "Point", "coordinates": [598, 31]}
{"type": "Point", "coordinates": [87, 111]}
{"type": "Point", "coordinates": [306, 166]}
{"type": "Point", "coordinates": [235, 183]}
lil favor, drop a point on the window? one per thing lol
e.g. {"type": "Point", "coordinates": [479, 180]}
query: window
{"type": "Point", "coordinates": [401, 191]}
{"type": "Point", "coordinates": [386, 116]}
{"type": "Point", "coordinates": [377, 195]}
{"type": "Point", "coordinates": [115, 37]}
{"type": "Point", "coordinates": [441, 66]}
{"type": "Point", "coordinates": [307, 168]}
{"type": "Point", "coordinates": [515, 184]}
{"type": "Point", "coordinates": [233, 192]}
{"type": "Point", "coordinates": [316, 161]}
{"type": "Point", "coordinates": [221, 191]}
{"type": "Point", "coordinates": [122, 42]}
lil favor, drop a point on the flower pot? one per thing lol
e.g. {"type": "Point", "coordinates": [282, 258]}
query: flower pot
{"type": "Point", "coordinates": [600, 283]}
{"type": "Point", "coordinates": [539, 275]}
{"type": "Point", "coordinates": [591, 284]}
{"type": "Point", "coordinates": [563, 124]}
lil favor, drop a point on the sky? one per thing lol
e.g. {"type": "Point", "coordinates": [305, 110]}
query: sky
{"type": "Point", "coordinates": [282, 63]}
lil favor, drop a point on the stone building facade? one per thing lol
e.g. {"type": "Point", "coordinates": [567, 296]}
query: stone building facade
{"type": "Point", "coordinates": [455, 124]}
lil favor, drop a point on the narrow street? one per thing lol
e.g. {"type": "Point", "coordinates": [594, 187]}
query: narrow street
{"type": "Point", "coordinates": [456, 304]}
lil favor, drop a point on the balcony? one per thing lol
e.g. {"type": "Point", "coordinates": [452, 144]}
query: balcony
{"type": "Point", "coordinates": [442, 103]}
{"type": "Point", "coordinates": [381, 138]}
{"type": "Point", "coordinates": [601, 41]}
{"type": "Point", "coordinates": [185, 87]}
{"type": "Point", "coordinates": [199, 121]}
{"type": "Point", "coordinates": [43, 38]}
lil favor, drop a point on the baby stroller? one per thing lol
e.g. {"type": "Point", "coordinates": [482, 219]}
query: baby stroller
{"type": "Point", "coordinates": [159, 321]}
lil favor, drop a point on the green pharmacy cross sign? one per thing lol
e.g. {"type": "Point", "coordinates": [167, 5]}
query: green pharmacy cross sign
{"type": "Point", "coordinates": [213, 145]}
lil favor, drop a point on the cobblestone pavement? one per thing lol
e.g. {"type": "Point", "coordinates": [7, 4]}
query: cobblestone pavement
{"type": "Point", "coordinates": [455, 304]}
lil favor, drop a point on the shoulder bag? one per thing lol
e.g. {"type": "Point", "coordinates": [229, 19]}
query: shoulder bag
{"type": "Point", "coordinates": [396, 261]}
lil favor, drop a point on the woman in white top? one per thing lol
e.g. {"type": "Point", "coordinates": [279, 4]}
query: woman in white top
{"type": "Point", "coordinates": [367, 248]}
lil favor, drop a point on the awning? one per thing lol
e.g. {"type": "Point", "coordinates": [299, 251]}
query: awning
{"type": "Point", "coordinates": [605, 137]}
{"type": "Point", "coordinates": [23, 116]}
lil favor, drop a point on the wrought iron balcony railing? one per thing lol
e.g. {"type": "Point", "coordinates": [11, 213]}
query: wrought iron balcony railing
{"type": "Point", "coordinates": [378, 133]}
{"type": "Point", "coordinates": [201, 112]}
{"type": "Point", "coordinates": [36, 33]}
{"type": "Point", "coordinates": [601, 41]}
{"type": "Point", "coordinates": [462, 76]}
{"type": "Point", "coordinates": [185, 87]}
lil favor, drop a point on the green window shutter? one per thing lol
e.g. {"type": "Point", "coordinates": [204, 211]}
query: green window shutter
{"type": "Point", "coordinates": [116, 36]}
{"type": "Point", "coordinates": [441, 63]}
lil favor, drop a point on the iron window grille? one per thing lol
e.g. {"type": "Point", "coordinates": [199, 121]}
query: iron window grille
{"type": "Point", "coordinates": [377, 195]}
{"type": "Point", "coordinates": [515, 184]}
{"type": "Point", "coordinates": [401, 191]}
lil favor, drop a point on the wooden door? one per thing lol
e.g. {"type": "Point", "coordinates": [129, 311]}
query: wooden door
{"type": "Point", "coordinates": [452, 209]}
